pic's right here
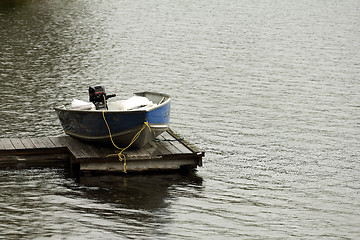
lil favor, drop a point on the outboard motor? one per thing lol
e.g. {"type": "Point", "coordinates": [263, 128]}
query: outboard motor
{"type": "Point", "coordinates": [98, 97]}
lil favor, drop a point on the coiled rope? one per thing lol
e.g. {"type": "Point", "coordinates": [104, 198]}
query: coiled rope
{"type": "Point", "coordinates": [122, 157]}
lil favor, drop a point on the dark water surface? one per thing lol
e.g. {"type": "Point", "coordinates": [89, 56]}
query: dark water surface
{"type": "Point", "coordinates": [269, 89]}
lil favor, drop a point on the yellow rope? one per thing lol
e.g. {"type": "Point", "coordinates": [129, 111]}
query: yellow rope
{"type": "Point", "coordinates": [121, 156]}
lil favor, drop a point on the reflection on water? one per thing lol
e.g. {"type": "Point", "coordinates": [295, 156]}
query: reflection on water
{"type": "Point", "coordinates": [129, 191]}
{"type": "Point", "coordinates": [43, 203]}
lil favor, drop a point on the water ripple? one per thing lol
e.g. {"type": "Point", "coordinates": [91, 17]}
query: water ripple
{"type": "Point", "coordinates": [269, 90]}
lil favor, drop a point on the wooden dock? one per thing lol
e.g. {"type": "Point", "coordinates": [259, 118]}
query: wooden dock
{"type": "Point", "coordinates": [167, 152]}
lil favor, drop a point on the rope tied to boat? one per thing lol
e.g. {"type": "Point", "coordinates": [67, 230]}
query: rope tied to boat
{"type": "Point", "coordinates": [121, 155]}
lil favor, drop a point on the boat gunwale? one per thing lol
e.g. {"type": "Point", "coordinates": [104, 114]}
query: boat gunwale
{"type": "Point", "coordinates": [63, 107]}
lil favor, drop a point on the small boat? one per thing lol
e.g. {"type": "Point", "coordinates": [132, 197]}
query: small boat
{"type": "Point", "coordinates": [146, 114]}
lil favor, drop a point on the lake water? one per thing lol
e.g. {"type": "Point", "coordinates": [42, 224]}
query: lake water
{"type": "Point", "coordinates": [269, 89]}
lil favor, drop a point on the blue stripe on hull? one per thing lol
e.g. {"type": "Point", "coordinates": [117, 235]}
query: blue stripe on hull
{"type": "Point", "coordinates": [159, 115]}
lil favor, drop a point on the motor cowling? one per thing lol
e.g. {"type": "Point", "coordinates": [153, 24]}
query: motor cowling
{"type": "Point", "coordinates": [98, 97]}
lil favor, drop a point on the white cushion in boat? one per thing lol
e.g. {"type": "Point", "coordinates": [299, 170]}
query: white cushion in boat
{"type": "Point", "coordinates": [132, 103]}
{"type": "Point", "coordinates": [77, 104]}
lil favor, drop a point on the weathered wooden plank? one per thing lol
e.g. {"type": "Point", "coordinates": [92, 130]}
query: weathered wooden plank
{"type": "Point", "coordinates": [177, 144]}
{"type": "Point", "coordinates": [167, 136]}
{"type": "Point", "coordinates": [152, 150]}
{"type": "Point", "coordinates": [110, 154]}
{"type": "Point", "coordinates": [17, 143]}
{"type": "Point", "coordinates": [141, 153]}
{"type": "Point", "coordinates": [103, 151]}
{"type": "Point", "coordinates": [169, 146]}
{"type": "Point", "coordinates": [38, 143]}
{"type": "Point", "coordinates": [89, 151]}
{"type": "Point", "coordinates": [167, 153]}
{"type": "Point", "coordinates": [73, 145]}
{"type": "Point", "coordinates": [2, 147]}
{"type": "Point", "coordinates": [34, 160]}
{"type": "Point", "coordinates": [181, 147]}
{"type": "Point", "coordinates": [166, 143]}
{"type": "Point", "coordinates": [46, 141]}
{"type": "Point", "coordinates": [159, 147]}
{"type": "Point", "coordinates": [183, 141]}
{"type": "Point", "coordinates": [63, 139]}
{"type": "Point", "coordinates": [7, 144]}
{"type": "Point", "coordinates": [81, 150]}
{"type": "Point", "coordinates": [56, 142]}
{"type": "Point", "coordinates": [138, 166]}
{"type": "Point", "coordinates": [28, 144]}
{"type": "Point", "coordinates": [137, 154]}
